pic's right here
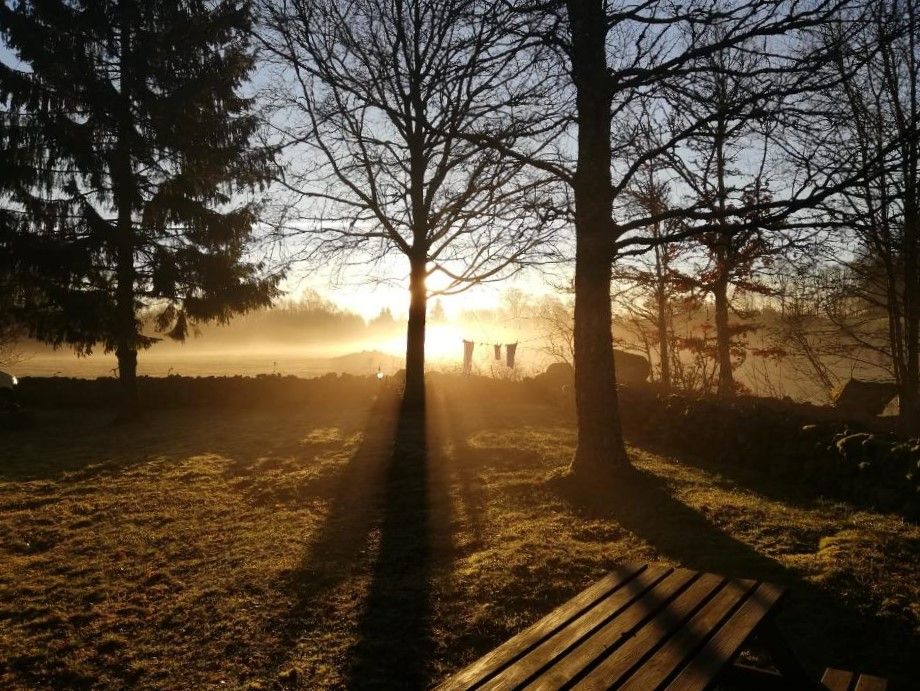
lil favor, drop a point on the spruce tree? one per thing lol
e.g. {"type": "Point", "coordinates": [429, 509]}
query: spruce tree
{"type": "Point", "coordinates": [127, 170]}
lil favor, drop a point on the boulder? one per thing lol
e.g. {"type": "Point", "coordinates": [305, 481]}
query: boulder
{"type": "Point", "coordinates": [631, 369]}
{"type": "Point", "coordinates": [865, 398]}
{"type": "Point", "coordinates": [560, 373]}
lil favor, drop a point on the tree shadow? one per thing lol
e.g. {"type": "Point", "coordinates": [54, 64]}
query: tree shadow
{"type": "Point", "coordinates": [394, 633]}
{"type": "Point", "coordinates": [335, 552]}
{"type": "Point", "coordinates": [78, 445]}
{"type": "Point", "coordinates": [783, 487]}
{"type": "Point", "coordinates": [641, 503]}
{"type": "Point", "coordinates": [463, 462]}
{"type": "Point", "coordinates": [389, 513]}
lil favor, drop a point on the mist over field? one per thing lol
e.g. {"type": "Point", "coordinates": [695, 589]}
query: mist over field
{"type": "Point", "coordinates": [313, 336]}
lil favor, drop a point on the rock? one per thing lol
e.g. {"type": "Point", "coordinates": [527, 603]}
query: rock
{"type": "Point", "coordinates": [631, 369]}
{"type": "Point", "coordinates": [851, 446]}
{"type": "Point", "coordinates": [865, 398]}
{"type": "Point", "coordinates": [560, 373]}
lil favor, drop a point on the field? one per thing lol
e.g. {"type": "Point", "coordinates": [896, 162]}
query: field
{"type": "Point", "coordinates": [207, 363]}
{"type": "Point", "coordinates": [338, 545]}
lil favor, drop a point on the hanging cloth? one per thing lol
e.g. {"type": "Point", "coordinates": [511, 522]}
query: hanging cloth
{"type": "Point", "coordinates": [498, 352]}
{"type": "Point", "coordinates": [467, 356]}
{"type": "Point", "coordinates": [509, 354]}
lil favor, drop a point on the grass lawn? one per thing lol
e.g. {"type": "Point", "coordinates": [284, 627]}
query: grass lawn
{"type": "Point", "coordinates": [304, 549]}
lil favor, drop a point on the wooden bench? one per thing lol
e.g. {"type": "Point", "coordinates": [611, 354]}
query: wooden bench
{"type": "Point", "coordinates": [645, 627]}
{"type": "Point", "coordinates": [841, 680]}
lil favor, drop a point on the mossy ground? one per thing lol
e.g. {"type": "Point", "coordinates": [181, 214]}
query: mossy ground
{"type": "Point", "coordinates": [307, 549]}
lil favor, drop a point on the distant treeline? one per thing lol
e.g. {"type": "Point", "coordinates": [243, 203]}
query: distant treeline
{"type": "Point", "coordinates": [310, 319]}
{"type": "Point", "coordinates": [313, 318]}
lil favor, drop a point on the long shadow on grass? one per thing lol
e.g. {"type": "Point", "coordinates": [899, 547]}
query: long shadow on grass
{"type": "Point", "coordinates": [742, 472]}
{"type": "Point", "coordinates": [642, 504]}
{"type": "Point", "coordinates": [353, 500]}
{"type": "Point", "coordinates": [389, 508]}
{"type": "Point", "coordinates": [823, 631]}
{"type": "Point", "coordinates": [463, 466]}
{"type": "Point", "coordinates": [82, 444]}
{"type": "Point", "coordinates": [336, 552]}
{"type": "Point", "coordinates": [394, 635]}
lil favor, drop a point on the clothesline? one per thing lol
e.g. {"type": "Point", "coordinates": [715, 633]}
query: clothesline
{"type": "Point", "coordinates": [517, 342]}
{"type": "Point", "coordinates": [488, 328]}
{"type": "Point", "coordinates": [468, 346]}
{"type": "Point", "coordinates": [489, 343]}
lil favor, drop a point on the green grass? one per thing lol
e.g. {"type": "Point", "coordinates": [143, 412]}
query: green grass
{"type": "Point", "coordinates": [304, 549]}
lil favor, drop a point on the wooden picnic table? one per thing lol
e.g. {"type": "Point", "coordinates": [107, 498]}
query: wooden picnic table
{"type": "Point", "coordinates": [645, 627]}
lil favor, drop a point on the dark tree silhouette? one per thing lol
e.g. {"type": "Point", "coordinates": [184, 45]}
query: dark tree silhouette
{"type": "Point", "coordinates": [126, 149]}
{"type": "Point", "coordinates": [876, 102]}
{"type": "Point", "coordinates": [372, 97]}
{"type": "Point", "coordinates": [615, 61]}
{"type": "Point", "coordinates": [9, 331]}
{"type": "Point", "coordinates": [735, 99]}
{"type": "Point", "coordinates": [647, 285]}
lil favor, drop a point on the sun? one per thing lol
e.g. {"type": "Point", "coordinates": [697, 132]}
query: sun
{"type": "Point", "coordinates": [442, 342]}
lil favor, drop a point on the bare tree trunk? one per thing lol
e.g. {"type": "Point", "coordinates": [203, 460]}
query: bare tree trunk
{"type": "Point", "coordinates": [723, 338]}
{"type": "Point", "coordinates": [661, 290]}
{"type": "Point", "coordinates": [414, 395]}
{"type": "Point", "coordinates": [908, 394]}
{"type": "Point", "coordinates": [600, 439]}
{"type": "Point", "coordinates": [910, 406]}
{"type": "Point", "coordinates": [723, 257]}
{"type": "Point", "coordinates": [664, 353]}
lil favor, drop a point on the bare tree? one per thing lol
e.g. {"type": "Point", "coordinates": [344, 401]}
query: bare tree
{"type": "Point", "coordinates": [372, 94]}
{"type": "Point", "coordinates": [802, 330]}
{"type": "Point", "coordinates": [615, 59]}
{"type": "Point", "coordinates": [647, 282]}
{"type": "Point", "coordinates": [733, 102]}
{"type": "Point", "coordinates": [554, 323]}
{"type": "Point", "coordinates": [878, 102]}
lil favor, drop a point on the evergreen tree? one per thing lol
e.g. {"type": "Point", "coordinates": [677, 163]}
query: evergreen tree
{"type": "Point", "coordinates": [437, 312]}
{"type": "Point", "coordinates": [127, 168]}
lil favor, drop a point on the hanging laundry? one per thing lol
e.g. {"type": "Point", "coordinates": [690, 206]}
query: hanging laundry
{"type": "Point", "coordinates": [498, 352]}
{"type": "Point", "coordinates": [509, 354]}
{"type": "Point", "coordinates": [467, 356]}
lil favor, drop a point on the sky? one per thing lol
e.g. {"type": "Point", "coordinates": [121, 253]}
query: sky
{"type": "Point", "coordinates": [366, 290]}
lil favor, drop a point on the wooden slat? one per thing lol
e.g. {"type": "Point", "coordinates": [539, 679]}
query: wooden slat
{"type": "Point", "coordinates": [836, 679]}
{"type": "Point", "coordinates": [645, 637]}
{"type": "Point", "coordinates": [619, 609]}
{"type": "Point", "coordinates": [518, 645]}
{"type": "Point", "coordinates": [843, 680]}
{"type": "Point", "coordinates": [690, 637]}
{"type": "Point", "coordinates": [727, 641]}
{"type": "Point", "coordinates": [867, 682]}
{"type": "Point", "coordinates": [645, 628]}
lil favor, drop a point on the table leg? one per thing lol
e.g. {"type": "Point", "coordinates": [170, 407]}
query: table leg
{"type": "Point", "coordinates": [785, 660]}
